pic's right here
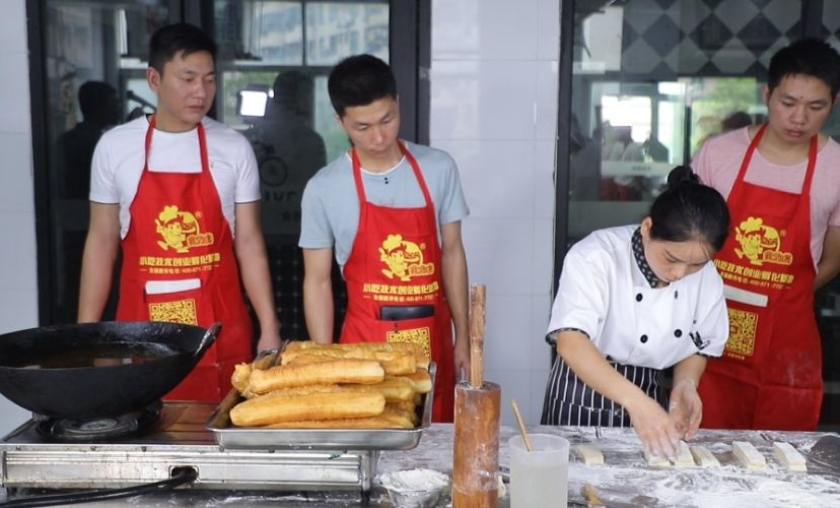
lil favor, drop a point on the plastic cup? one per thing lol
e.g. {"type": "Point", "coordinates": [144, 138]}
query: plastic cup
{"type": "Point", "coordinates": [539, 478]}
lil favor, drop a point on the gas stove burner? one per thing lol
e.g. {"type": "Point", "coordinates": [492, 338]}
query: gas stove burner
{"type": "Point", "coordinates": [95, 429]}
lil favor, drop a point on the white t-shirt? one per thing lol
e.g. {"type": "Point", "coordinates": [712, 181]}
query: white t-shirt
{"type": "Point", "coordinates": [603, 292]}
{"type": "Point", "coordinates": [119, 158]}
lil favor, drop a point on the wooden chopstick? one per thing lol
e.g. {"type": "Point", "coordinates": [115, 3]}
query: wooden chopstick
{"type": "Point", "coordinates": [521, 424]}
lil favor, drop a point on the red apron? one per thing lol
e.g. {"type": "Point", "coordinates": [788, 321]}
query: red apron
{"type": "Point", "coordinates": [770, 374]}
{"type": "Point", "coordinates": [178, 232]}
{"type": "Point", "coordinates": [396, 262]}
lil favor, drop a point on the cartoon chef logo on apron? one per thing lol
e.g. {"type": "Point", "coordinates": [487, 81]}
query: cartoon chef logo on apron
{"type": "Point", "coordinates": [404, 259]}
{"type": "Point", "coordinates": [181, 231]}
{"type": "Point", "coordinates": [759, 245]}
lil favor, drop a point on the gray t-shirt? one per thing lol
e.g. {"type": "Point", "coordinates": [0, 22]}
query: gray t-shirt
{"type": "Point", "coordinates": [330, 206]}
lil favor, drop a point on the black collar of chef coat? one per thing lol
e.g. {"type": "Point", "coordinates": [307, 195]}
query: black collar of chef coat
{"type": "Point", "coordinates": [639, 254]}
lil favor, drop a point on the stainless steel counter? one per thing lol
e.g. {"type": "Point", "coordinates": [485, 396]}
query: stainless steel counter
{"type": "Point", "coordinates": [624, 480]}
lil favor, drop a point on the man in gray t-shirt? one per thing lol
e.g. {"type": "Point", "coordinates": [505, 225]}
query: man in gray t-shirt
{"type": "Point", "coordinates": [390, 212]}
{"type": "Point", "coordinates": [330, 207]}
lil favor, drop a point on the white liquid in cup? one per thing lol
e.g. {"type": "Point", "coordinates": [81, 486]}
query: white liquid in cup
{"type": "Point", "coordinates": [539, 478]}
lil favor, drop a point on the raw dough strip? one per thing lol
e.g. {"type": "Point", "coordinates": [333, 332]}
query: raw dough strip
{"type": "Point", "coordinates": [703, 456]}
{"type": "Point", "coordinates": [748, 455]}
{"type": "Point", "coordinates": [684, 457]}
{"type": "Point", "coordinates": [789, 457]}
{"type": "Point", "coordinates": [589, 454]}
{"type": "Point", "coordinates": [656, 460]}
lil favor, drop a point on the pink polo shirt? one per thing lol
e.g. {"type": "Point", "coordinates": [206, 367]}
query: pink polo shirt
{"type": "Point", "coordinates": [719, 160]}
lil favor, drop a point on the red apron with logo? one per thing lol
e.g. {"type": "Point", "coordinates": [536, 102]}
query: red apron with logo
{"type": "Point", "coordinates": [770, 374]}
{"type": "Point", "coordinates": [178, 233]}
{"type": "Point", "coordinates": [394, 284]}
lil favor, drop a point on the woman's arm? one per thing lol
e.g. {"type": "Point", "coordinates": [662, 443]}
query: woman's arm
{"type": "Point", "coordinates": [655, 429]}
{"type": "Point", "coordinates": [686, 408]}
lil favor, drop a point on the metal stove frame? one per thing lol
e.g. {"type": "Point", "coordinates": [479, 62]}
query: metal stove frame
{"type": "Point", "coordinates": [178, 441]}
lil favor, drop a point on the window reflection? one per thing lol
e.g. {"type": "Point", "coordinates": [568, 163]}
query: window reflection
{"type": "Point", "coordinates": [281, 53]}
{"type": "Point", "coordinates": [650, 84]}
{"type": "Point", "coordinates": [335, 30]}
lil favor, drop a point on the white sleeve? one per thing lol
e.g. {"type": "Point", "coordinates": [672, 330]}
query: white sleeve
{"type": "Point", "coordinates": [103, 185]}
{"type": "Point", "coordinates": [247, 174]}
{"type": "Point", "coordinates": [712, 316]}
{"type": "Point", "coordinates": [583, 293]}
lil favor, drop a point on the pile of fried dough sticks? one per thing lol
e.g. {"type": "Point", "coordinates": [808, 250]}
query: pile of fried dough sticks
{"type": "Point", "coordinates": [336, 386]}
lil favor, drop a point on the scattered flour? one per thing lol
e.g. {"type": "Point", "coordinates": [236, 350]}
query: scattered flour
{"type": "Point", "coordinates": [412, 480]}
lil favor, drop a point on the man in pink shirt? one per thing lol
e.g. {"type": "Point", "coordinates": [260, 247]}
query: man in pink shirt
{"type": "Point", "coordinates": [782, 184]}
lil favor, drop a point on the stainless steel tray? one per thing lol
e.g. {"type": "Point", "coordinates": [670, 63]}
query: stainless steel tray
{"type": "Point", "coordinates": [231, 437]}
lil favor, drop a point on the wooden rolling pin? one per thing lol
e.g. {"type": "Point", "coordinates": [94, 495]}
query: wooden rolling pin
{"type": "Point", "coordinates": [477, 403]}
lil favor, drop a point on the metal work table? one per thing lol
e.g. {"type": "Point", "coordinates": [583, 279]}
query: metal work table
{"type": "Point", "coordinates": [624, 480]}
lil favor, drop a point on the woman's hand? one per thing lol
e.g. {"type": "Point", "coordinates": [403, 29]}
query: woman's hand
{"type": "Point", "coordinates": [654, 427]}
{"type": "Point", "coordinates": [686, 408]}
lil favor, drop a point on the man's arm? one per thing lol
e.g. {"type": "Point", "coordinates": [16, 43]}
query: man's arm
{"type": "Point", "coordinates": [100, 254]}
{"type": "Point", "coordinates": [455, 282]}
{"type": "Point", "coordinates": [829, 265]}
{"type": "Point", "coordinates": [318, 294]}
{"type": "Point", "coordinates": [253, 266]}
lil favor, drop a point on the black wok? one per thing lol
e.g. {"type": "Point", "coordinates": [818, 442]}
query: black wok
{"type": "Point", "coordinates": [98, 370]}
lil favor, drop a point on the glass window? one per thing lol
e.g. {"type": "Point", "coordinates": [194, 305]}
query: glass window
{"type": "Point", "coordinates": [93, 52]}
{"type": "Point", "coordinates": [275, 58]}
{"type": "Point", "coordinates": [335, 30]}
{"type": "Point", "coordinates": [645, 97]}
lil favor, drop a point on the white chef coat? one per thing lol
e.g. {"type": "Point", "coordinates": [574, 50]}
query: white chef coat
{"type": "Point", "coordinates": [603, 292]}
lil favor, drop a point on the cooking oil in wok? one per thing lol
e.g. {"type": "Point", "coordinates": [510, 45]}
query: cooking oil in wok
{"type": "Point", "coordinates": [86, 356]}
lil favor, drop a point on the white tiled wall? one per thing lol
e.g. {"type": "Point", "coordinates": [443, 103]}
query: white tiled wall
{"type": "Point", "coordinates": [494, 108]}
{"type": "Point", "coordinates": [18, 280]}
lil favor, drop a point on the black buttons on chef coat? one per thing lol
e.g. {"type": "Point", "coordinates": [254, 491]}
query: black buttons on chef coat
{"type": "Point", "coordinates": [643, 339]}
{"type": "Point", "coordinates": [638, 297]}
{"type": "Point", "coordinates": [677, 333]}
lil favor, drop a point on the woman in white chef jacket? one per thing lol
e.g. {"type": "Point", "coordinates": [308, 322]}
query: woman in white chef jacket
{"type": "Point", "coordinates": [633, 301]}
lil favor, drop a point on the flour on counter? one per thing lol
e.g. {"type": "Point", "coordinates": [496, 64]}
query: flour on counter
{"type": "Point", "coordinates": [412, 480]}
{"type": "Point", "coordinates": [625, 478]}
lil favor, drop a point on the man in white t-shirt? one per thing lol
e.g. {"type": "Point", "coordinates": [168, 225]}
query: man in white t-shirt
{"type": "Point", "coordinates": [781, 184]}
{"type": "Point", "coordinates": [178, 193]}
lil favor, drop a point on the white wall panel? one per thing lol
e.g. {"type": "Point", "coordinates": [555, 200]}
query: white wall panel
{"type": "Point", "coordinates": [18, 276]}
{"type": "Point", "coordinates": [498, 176]}
{"type": "Point", "coordinates": [494, 108]}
